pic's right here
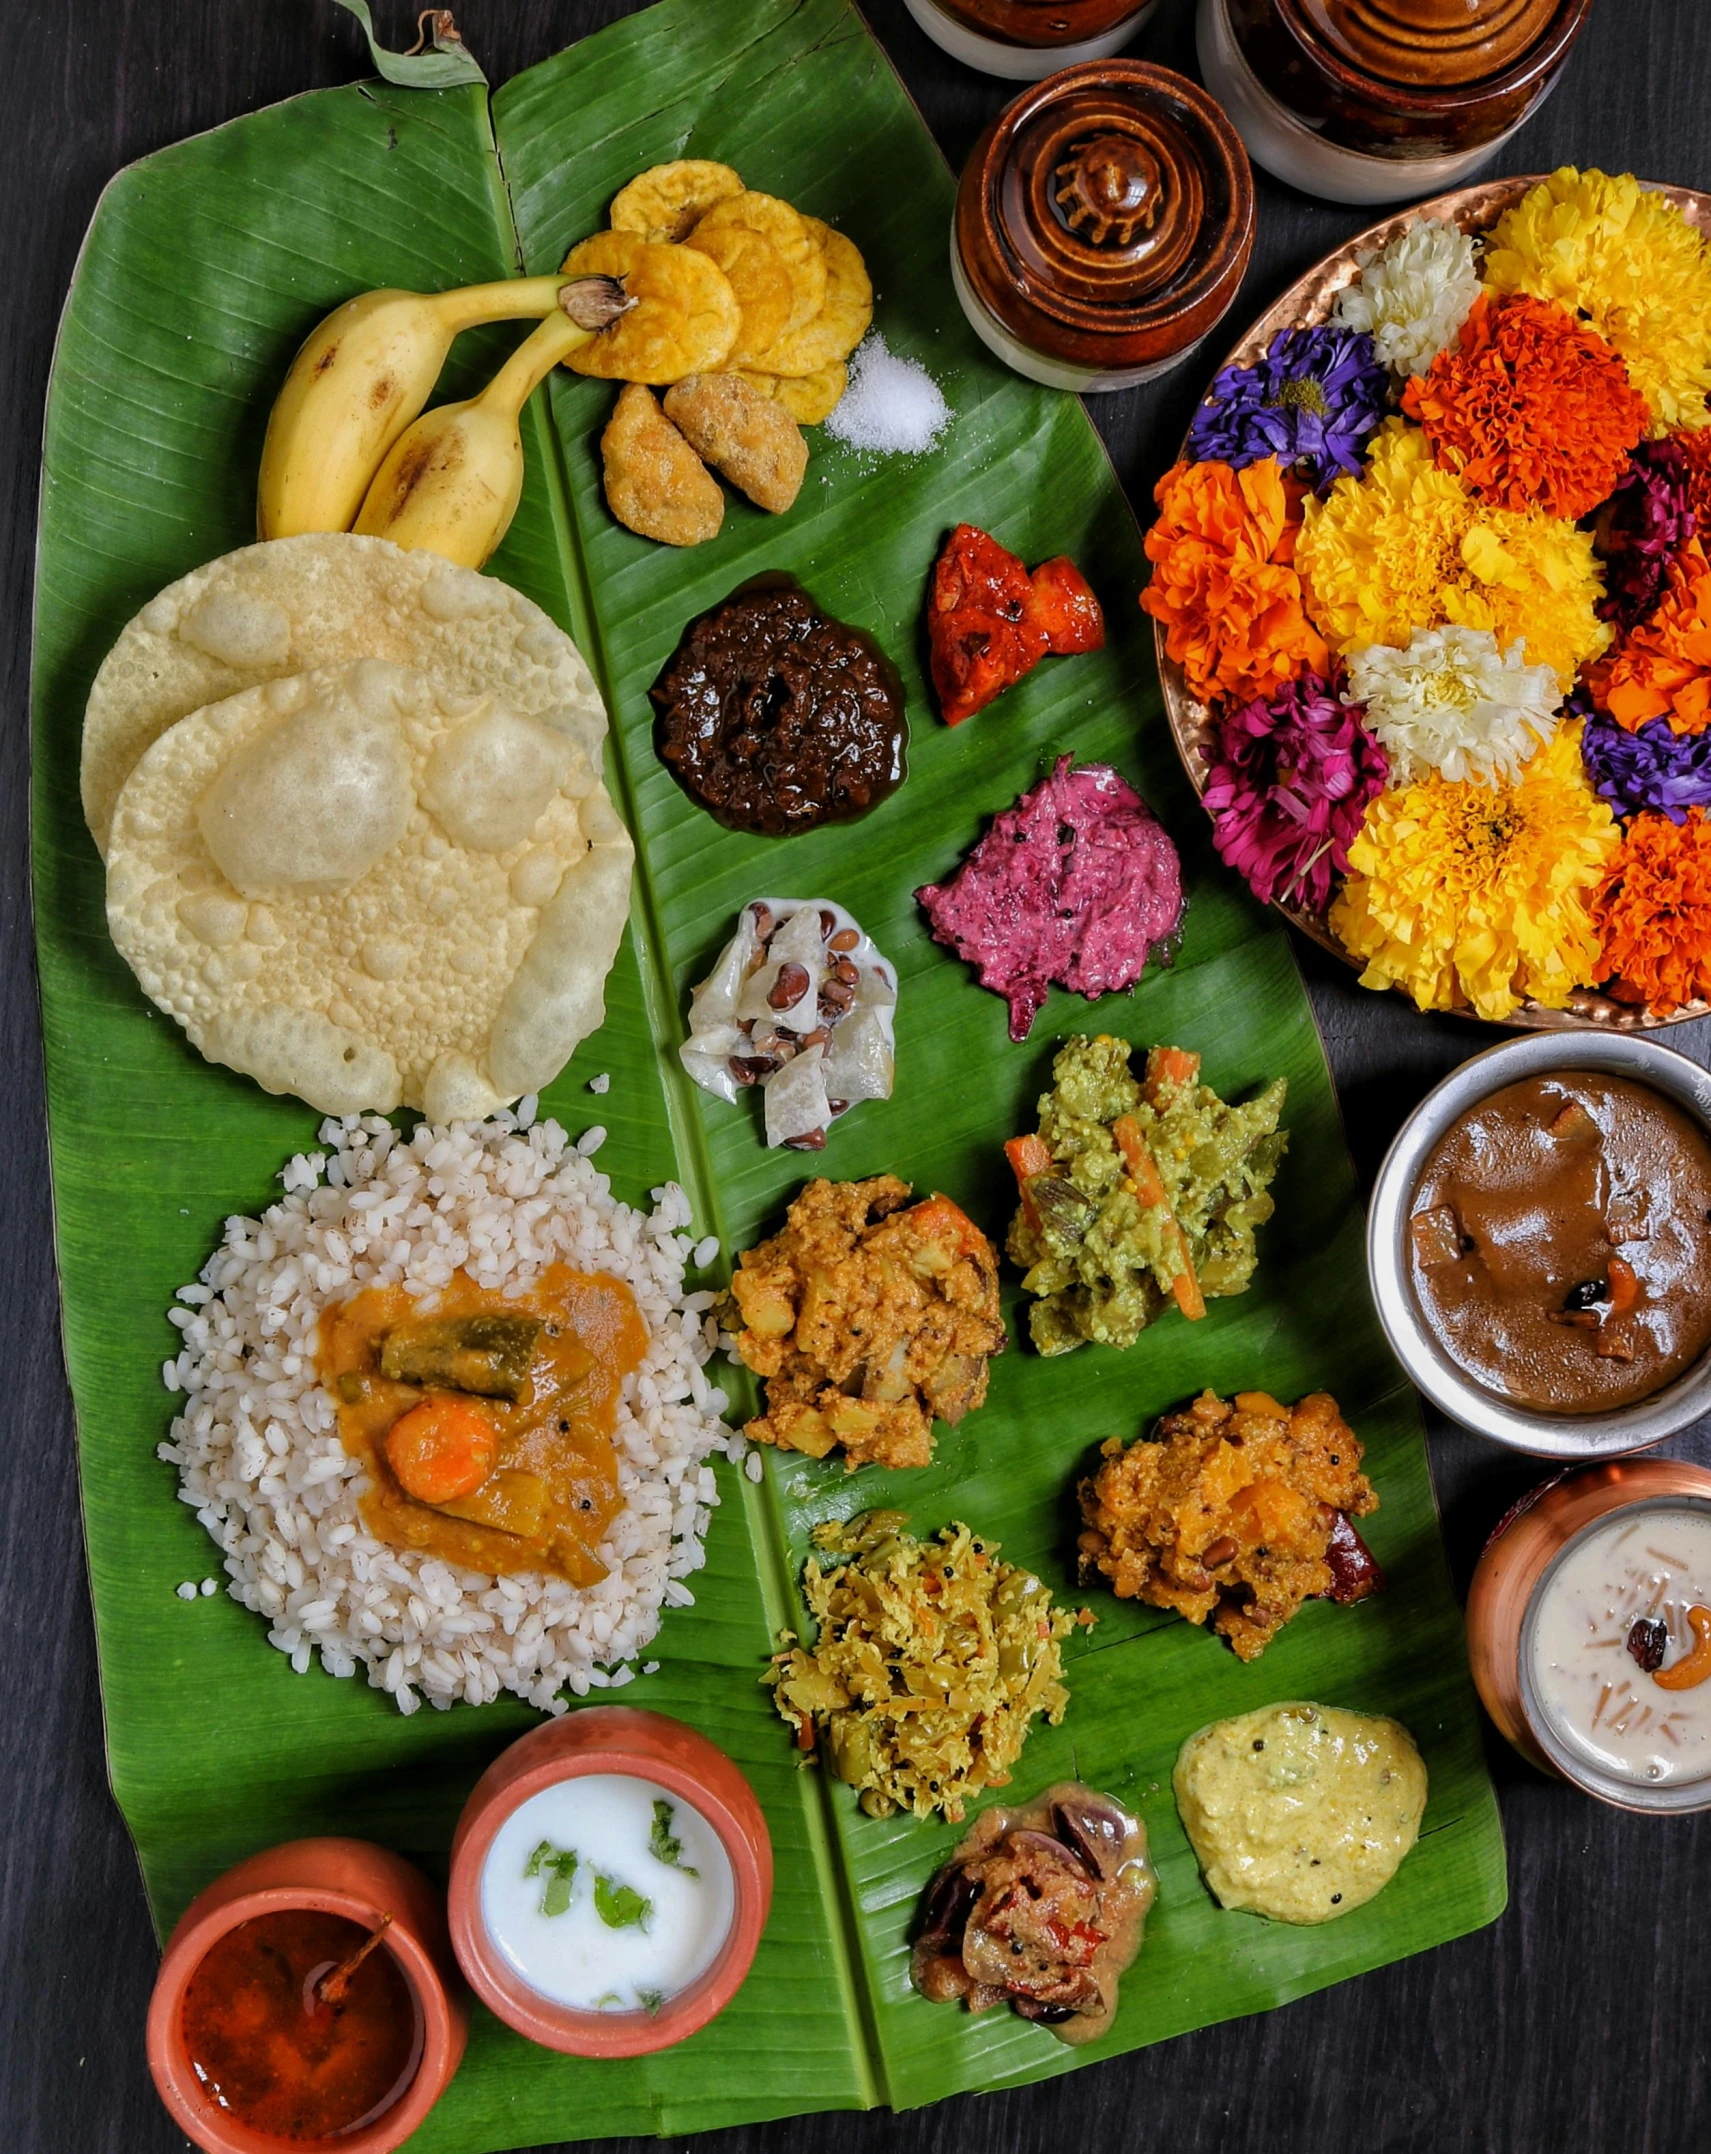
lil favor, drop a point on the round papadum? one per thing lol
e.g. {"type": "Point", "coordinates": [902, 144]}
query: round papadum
{"type": "Point", "coordinates": [666, 201]}
{"type": "Point", "coordinates": [843, 316]}
{"type": "Point", "coordinates": [685, 319]}
{"type": "Point", "coordinates": [319, 600]}
{"type": "Point", "coordinates": [357, 886]}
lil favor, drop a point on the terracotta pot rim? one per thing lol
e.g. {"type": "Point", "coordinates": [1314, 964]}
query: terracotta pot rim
{"type": "Point", "coordinates": [1410, 101]}
{"type": "Point", "coordinates": [201, 1928]}
{"type": "Point", "coordinates": [637, 1744]}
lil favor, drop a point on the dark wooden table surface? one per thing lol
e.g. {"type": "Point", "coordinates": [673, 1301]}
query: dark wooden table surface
{"type": "Point", "coordinates": [1579, 2022]}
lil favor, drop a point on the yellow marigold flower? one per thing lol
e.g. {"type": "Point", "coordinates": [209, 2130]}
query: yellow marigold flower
{"type": "Point", "coordinates": [1405, 547]}
{"type": "Point", "coordinates": [1631, 265]}
{"type": "Point", "coordinates": [1476, 895]}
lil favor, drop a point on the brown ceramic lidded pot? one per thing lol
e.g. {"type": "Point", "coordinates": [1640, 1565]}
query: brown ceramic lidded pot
{"type": "Point", "coordinates": [1102, 226]}
{"type": "Point", "coordinates": [1025, 39]}
{"type": "Point", "coordinates": [1368, 100]}
{"type": "Point", "coordinates": [1041, 22]}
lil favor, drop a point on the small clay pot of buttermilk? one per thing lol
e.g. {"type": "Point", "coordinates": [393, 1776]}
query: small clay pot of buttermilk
{"type": "Point", "coordinates": [1540, 1244]}
{"type": "Point", "coordinates": [1025, 39]}
{"type": "Point", "coordinates": [1103, 224]}
{"type": "Point", "coordinates": [1371, 100]}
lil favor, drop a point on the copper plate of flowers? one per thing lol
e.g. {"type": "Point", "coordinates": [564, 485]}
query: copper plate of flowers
{"type": "Point", "coordinates": [1518, 831]}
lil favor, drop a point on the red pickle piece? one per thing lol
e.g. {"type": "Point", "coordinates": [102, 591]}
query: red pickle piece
{"type": "Point", "coordinates": [1355, 1570]}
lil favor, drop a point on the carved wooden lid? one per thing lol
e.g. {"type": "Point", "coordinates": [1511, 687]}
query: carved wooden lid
{"type": "Point", "coordinates": [1429, 43]}
{"type": "Point", "coordinates": [1106, 218]}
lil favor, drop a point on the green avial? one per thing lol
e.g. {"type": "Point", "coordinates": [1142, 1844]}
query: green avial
{"type": "Point", "coordinates": [1137, 1193]}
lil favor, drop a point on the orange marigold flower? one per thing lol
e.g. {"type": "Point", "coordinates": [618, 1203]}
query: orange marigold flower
{"type": "Point", "coordinates": [1223, 581]}
{"type": "Point", "coordinates": [1529, 408]}
{"type": "Point", "coordinates": [1662, 669]}
{"type": "Point", "coordinates": [1653, 913]}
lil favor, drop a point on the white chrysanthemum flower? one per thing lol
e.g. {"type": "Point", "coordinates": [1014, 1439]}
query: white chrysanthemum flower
{"type": "Point", "coordinates": [1453, 703]}
{"type": "Point", "coordinates": [1414, 294]}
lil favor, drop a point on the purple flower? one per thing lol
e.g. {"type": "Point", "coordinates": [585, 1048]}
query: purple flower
{"type": "Point", "coordinates": [1639, 530]}
{"type": "Point", "coordinates": [1289, 782]}
{"type": "Point", "coordinates": [1653, 768]}
{"type": "Point", "coordinates": [1311, 402]}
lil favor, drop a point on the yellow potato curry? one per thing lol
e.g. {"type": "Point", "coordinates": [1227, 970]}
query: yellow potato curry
{"type": "Point", "coordinates": [485, 1420]}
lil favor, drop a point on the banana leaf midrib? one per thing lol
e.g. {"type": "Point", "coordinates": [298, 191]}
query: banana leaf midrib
{"type": "Point", "coordinates": [688, 1139]}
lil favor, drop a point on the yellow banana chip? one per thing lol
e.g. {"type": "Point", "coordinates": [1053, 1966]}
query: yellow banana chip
{"type": "Point", "coordinates": [809, 398]}
{"type": "Point", "coordinates": [788, 233]}
{"type": "Point", "coordinates": [758, 277]}
{"type": "Point", "coordinates": [843, 316]}
{"type": "Point", "coordinates": [686, 316]}
{"type": "Point", "coordinates": [666, 202]}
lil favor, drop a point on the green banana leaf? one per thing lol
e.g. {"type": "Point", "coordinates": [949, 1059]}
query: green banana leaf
{"type": "Point", "coordinates": [204, 267]}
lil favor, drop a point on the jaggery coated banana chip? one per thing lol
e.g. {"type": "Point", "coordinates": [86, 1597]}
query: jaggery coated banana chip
{"type": "Point", "coordinates": [685, 319]}
{"type": "Point", "coordinates": [666, 202]}
{"type": "Point", "coordinates": [791, 239]}
{"type": "Point", "coordinates": [760, 280]}
{"type": "Point", "coordinates": [808, 398]}
{"type": "Point", "coordinates": [752, 440]}
{"type": "Point", "coordinates": [655, 482]}
{"type": "Point", "coordinates": [843, 316]}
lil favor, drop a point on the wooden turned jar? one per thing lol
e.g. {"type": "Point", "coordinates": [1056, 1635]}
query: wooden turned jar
{"type": "Point", "coordinates": [1025, 39]}
{"type": "Point", "coordinates": [1371, 100]}
{"type": "Point", "coordinates": [1102, 226]}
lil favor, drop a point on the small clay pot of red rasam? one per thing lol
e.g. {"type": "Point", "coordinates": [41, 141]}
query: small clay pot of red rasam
{"type": "Point", "coordinates": [555, 1841]}
{"type": "Point", "coordinates": [1103, 224]}
{"type": "Point", "coordinates": [308, 1998]}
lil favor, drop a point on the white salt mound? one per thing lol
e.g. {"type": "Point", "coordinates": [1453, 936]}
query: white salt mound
{"type": "Point", "coordinates": [892, 406]}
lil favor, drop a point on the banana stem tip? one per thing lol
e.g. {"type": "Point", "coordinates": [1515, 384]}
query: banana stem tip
{"type": "Point", "coordinates": [594, 302]}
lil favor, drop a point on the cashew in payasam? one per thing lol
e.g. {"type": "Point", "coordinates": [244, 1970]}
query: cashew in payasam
{"type": "Point", "coordinates": [1692, 1668]}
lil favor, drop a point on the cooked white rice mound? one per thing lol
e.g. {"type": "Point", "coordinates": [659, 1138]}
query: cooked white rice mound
{"type": "Point", "coordinates": [257, 1445]}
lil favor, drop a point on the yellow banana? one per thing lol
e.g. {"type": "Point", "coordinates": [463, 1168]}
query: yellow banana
{"type": "Point", "coordinates": [358, 381]}
{"type": "Point", "coordinates": [451, 482]}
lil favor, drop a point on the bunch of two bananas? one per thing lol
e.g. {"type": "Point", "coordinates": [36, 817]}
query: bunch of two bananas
{"type": "Point", "coordinates": [349, 446]}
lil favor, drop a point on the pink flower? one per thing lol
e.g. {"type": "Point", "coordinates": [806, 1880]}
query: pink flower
{"type": "Point", "coordinates": [1290, 776]}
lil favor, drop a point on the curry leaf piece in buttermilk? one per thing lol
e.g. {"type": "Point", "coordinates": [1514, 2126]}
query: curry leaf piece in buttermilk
{"type": "Point", "coordinates": [664, 1843]}
{"type": "Point", "coordinates": [620, 1906]}
{"type": "Point", "coordinates": [1137, 1193]}
{"type": "Point", "coordinates": [557, 1865]}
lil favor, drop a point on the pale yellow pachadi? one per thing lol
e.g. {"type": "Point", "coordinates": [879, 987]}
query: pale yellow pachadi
{"type": "Point", "coordinates": [789, 234]}
{"type": "Point", "coordinates": [838, 324]}
{"type": "Point", "coordinates": [290, 605]}
{"type": "Point", "coordinates": [667, 201]}
{"type": "Point", "coordinates": [1300, 1812]}
{"type": "Point", "coordinates": [354, 885]}
{"type": "Point", "coordinates": [685, 319]}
